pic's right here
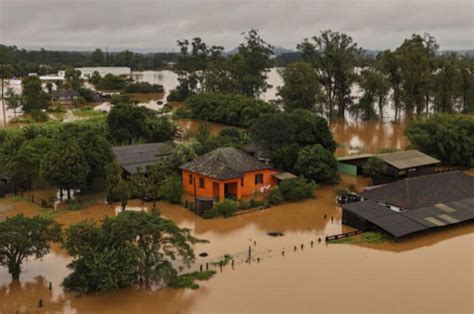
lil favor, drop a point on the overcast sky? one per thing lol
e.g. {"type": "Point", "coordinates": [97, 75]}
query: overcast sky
{"type": "Point", "coordinates": [156, 25]}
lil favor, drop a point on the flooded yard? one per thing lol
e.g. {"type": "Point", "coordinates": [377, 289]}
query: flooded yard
{"type": "Point", "coordinates": [294, 274]}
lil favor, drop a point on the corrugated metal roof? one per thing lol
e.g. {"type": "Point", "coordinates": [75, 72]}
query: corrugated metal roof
{"type": "Point", "coordinates": [283, 176]}
{"type": "Point", "coordinates": [422, 191]}
{"type": "Point", "coordinates": [131, 157]}
{"type": "Point", "coordinates": [408, 159]}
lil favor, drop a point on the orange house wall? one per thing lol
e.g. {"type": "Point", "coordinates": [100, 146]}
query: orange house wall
{"type": "Point", "coordinates": [208, 191]}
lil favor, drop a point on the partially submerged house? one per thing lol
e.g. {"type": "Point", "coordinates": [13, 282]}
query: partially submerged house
{"type": "Point", "coordinates": [226, 172]}
{"type": "Point", "coordinates": [139, 156]}
{"type": "Point", "coordinates": [414, 205]}
{"type": "Point", "coordinates": [400, 164]}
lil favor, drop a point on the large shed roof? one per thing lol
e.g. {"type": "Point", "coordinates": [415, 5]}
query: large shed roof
{"type": "Point", "coordinates": [385, 218]}
{"type": "Point", "coordinates": [224, 163]}
{"type": "Point", "coordinates": [408, 159]}
{"type": "Point", "coordinates": [132, 157]}
{"type": "Point", "coordinates": [423, 191]}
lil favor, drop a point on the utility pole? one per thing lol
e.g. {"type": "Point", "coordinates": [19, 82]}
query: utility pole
{"type": "Point", "coordinates": [3, 96]}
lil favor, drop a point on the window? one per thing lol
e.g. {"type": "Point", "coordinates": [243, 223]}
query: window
{"type": "Point", "coordinates": [242, 182]}
{"type": "Point", "coordinates": [190, 179]}
{"type": "Point", "coordinates": [259, 178]}
{"type": "Point", "coordinates": [201, 183]}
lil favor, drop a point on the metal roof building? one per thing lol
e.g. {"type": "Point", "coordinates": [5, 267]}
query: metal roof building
{"type": "Point", "coordinates": [415, 204]}
{"type": "Point", "coordinates": [132, 157]}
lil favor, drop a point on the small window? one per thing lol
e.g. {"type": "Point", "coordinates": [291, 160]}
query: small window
{"type": "Point", "coordinates": [242, 182]}
{"type": "Point", "coordinates": [190, 179]}
{"type": "Point", "coordinates": [259, 178]}
{"type": "Point", "coordinates": [201, 183]}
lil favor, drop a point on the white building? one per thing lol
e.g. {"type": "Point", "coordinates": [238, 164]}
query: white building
{"type": "Point", "coordinates": [87, 72]}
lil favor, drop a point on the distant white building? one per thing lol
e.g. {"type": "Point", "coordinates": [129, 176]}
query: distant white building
{"type": "Point", "coordinates": [87, 72]}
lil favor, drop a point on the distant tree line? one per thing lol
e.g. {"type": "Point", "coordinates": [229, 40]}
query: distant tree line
{"type": "Point", "coordinates": [20, 62]}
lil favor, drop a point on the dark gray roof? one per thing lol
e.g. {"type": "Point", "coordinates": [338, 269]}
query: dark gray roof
{"type": "Point", "coordinates": [224, 163]}
{"type": "Point", "coordinates": [62, 93]}
{"type": "Point", "coordinates": [406, 222]}
{"type": "Point", "coordinates": [408, 159]}
{"type": "Point", "coordinates": [132, 157]}
{"type": "Point", "coordinates": [423, 191]}
{"type": "Point", "coordinates": [385, 218]}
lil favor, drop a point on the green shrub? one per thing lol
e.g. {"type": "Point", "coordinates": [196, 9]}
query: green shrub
{"type": "Point", "coordinates": [144, 87]}
{"type": "Point", "coordinates": [39, 116]}
{"type": "Point", "coordinates": [182, 113]}
{"type": "Point", "coordinates": [244, 204]}
{"type": "Point", "coordinates": [256, 203]}
{"type": "Point", "coordinates": [274, 197]}
{"type": "Point", "coordinates": [171, 190]}
{"type": "Point", "coordinates": [120, 99]}
{"type": "Point", "coordinates": [374, 167]}
{"type": "Point", "coordinates": [211, 213]}
{"type": "Point", "coordinates": [297, 189]}
{"type": "Point", "coordinates": [226, 208]}
{"type": "Point", "coordinates": [188, 280]}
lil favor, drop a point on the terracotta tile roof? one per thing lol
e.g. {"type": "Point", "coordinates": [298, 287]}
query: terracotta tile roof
{"type": "Point", "coordinates": [224, 163]}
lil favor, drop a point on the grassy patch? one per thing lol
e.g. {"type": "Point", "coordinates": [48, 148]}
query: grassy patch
{"type": "Point", "coordinates": [14, 198]}
{"type": "Point", "coordinates": [227, 258]}
{"type": "Point", "coordinates": [366, 238]}
{"type": "Point", "coordinates": [88, 112]}
{"type": "Point", "coordinates": [188, 280]}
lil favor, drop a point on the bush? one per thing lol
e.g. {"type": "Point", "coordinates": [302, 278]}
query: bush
{"type": "Point", "coordinates": [120, 99]}
{"type": "Point", "coordinates": [274, 197]}
{"type": "Point", "coordinates": [230, 132]}
{"type": "Point", "coordinates": [79, 101]}
{"type": "Point", "coordinates": [171, 190]}
{"type": "Point", "coordinates": [211, 213]}
{"type": "Point", "coordinates": [111, 82]}
{"type": "Point", "coordinates": [374, 167]}
{"type": "Point", "coordinates": [144, 87]}
{"type": "Point", "coordinates": [318, 164]}
{"type": "Point", "coordinates": [226, 208]}
{"type": "Point", "coordinates": [182, 113]}
{"type": "Point", "coordinates": [297, 189]}
{"type": "Point", "coordinates": [244, 204]}
{"type": "Point", "coordinates": [39, 116]}
{"type": "Point", "coordinates": [177, 94]}
{"type": "Point", "coordinates": [188, 280]}
{"type": "Point", "coordinates": [231, 109]}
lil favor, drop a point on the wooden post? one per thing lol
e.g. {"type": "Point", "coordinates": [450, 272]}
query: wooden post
{"type": "Point", "coordinates": [250, 252]}
{"type": "Point", "coordinates": [40, 303]}
{"type": "Point", "coordinates": [207, 266]}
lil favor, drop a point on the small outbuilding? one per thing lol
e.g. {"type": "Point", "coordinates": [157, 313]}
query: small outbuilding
{"type": "Point", "coordinates": [139, 156]}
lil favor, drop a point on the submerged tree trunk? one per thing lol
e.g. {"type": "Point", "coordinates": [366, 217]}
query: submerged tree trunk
{"type": "Point", "coordinates": [15, 271]}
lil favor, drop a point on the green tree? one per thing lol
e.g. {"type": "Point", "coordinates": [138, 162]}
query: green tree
{"type": "Point", "coordinates": [375, 88]}
{"type": "Point", "coordinates": [374, 167]}
{"type": "Point", "coordinates": [98, 57]}
{"type": "Point", "coordinates": [73, 78]}
{"type": "Point", "coordinates": [334, 56]}
{"type": "Point", "coordinates": [388, 63]}
{"type": "Point", "coordinates": [24, 237]}
{"type": "Point", "coordinates": [126, 249]}
{"type": "Point", "coordinates": [171, 189]}
{"type": "Point", "coordinates": [13, 100]}
{"type": "Point", "coordinates": [34, 98]}
{"type": "Point", "coordinates": [111, 82]}
{"type": "Point", "coordinates": [448, 138]}
{"type": "Point", "coordinates": [318, 164]}
{"type": "Point", "coordinates": [66, 166]}
{"type": "Point", "coordinates": [301, 87]}
{"type": "Point", "coordinates": [297, 189]}
{"type": "Point", "coordinates": [250, 65]}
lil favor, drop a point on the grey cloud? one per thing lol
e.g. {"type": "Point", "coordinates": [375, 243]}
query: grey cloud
{"type": "Point", "coordinates": [156, 25]}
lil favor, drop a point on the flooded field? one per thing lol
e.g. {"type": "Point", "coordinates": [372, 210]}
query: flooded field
{"type": "Point", "coordinates": [328, 278]}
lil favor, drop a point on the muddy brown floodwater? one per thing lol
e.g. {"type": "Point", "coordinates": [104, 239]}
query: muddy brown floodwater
{"type": "Point", "coordinates": [431, 273]}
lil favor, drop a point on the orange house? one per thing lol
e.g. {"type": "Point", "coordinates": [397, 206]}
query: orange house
{"type": "Point", "coordinates": [226, 172]}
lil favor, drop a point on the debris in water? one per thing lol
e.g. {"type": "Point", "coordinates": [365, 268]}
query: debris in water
{"type": "Point", "coordinates": [275, 234]}
{"type": "Point", "coordinates": [203, 254]}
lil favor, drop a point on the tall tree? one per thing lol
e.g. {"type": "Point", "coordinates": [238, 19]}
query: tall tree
{"type": "Point", "coordinates": [375, 87]}
{"type": "Point", "coordinates": [24, 237]}
{"type": "Point", "coordinates": [334, 56]}
{"type": "Point", "coordinates": [388, 63]}
{"type": "Point", "coordinates": [129, 248]}
{"type": "Point", "coordinates": [13, 100]}
{"type": "Point", "coordinates": [34, 98]}
{"type": "Point", "coordinates": [73, 78]}
{"type": "Point", "coordinates": [66, 166]}
{"type": "Point", "coordinates": [300, 87]}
